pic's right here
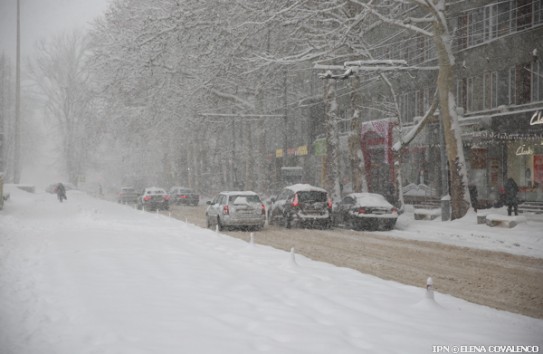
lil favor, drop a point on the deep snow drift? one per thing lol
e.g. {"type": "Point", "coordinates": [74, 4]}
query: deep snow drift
{"type": "Point", "coordinates": [91, 276]}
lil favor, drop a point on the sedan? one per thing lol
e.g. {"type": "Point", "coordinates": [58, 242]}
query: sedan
{"type": "Point", "coordinates": [184, 196]}
{"type": "Point", "coordinates": [365, 211]}
{"type": "Point", "coordinates": [154, 198]}
{"type": "Point", "coordinates": [127, 195]}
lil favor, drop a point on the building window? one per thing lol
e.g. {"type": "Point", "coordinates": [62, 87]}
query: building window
{"type": "Point", "coordinates": [462, 31]}
{"type": "Point", "coordinates": [498, 19]}
{"type": "Point", "coordinates": [512, 85]}
{"type": "Point", "coordinates": [475, 27]}
{"type": "Point", "coordinates": [461, 93]}
{"type": "Point", "coordinates": [407, 107]}
{"type": "Point", "coordinates": [524, 14]}
{"type": "Point", "coordinates": [471, 93]}
{"type": "Point", "coordinates": [538, 11]}
{"type": "Point", "coordinates": [537, 80]}
{"type": "Point", "coordinates": [523, 85]}
{"type": "Point", "coordinates": [419, 103]}
{"type": "Point", "coordinates": [490, 90]}
{"type": "Point", "coordinates": [505, 87]}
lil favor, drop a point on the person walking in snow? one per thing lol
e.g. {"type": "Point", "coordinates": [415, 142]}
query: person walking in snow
{"type": "Point", "coordinates": [61, 192]}
{"type": "Point", "coordinates": [511, 190]}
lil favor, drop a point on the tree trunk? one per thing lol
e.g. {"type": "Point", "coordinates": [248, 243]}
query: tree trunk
{"type": "Point", "coordinates": [355, 151]}
{"type": "Point", "coordinates": [332, 141]}
{"type": "Point", "coordinates": [451, 127]}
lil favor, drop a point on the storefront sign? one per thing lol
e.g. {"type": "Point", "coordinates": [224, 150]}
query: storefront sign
{"type": "Point", "coordinates": [523, 150]}
{"type": "Point", "coordinates": [537, 118]}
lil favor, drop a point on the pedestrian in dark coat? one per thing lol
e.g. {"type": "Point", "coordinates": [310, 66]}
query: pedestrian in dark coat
{"type": "Point", "coordinates": [61, 192]}
{"type": "Point", "coordinates": [511, 190]}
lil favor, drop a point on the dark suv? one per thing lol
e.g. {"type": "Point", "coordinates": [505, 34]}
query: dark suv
{"type": "Point", "coordinates": [302, 205]}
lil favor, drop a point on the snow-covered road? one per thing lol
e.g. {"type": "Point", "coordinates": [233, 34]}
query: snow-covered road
{"type": "Point", "coordinates": [90, 276]}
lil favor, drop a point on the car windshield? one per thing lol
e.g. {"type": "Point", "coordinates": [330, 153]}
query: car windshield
{"type": "Point", "coordinates": [312, 196]}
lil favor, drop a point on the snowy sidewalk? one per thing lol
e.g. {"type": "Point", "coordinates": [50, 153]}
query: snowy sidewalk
{"type": "Point", "coordinates": [91, 276]}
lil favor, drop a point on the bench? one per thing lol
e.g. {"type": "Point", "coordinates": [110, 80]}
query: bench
{"type": "Point", "coordinates": [425, 208]}
{"type": "Point", "coordinates": [500, 220]}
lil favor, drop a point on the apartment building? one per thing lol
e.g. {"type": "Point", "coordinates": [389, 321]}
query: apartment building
{"type": "Point", "coordinates": [498, 47]}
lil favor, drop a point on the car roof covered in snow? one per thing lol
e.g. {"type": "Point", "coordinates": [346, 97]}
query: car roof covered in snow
{"type": "Point", "coordinates": [154, 190]}
{"type": "Point", "coordinates": [240, 193]}
{"type": "Point", "coordinates": [301, 187]}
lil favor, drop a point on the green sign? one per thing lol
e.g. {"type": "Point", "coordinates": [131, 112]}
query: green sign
{"type": "Point", "coordinates": [319, 147]}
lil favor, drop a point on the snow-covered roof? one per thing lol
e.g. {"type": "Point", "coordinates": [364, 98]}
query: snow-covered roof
{"type": "Point", "coordinates": [301, 187]}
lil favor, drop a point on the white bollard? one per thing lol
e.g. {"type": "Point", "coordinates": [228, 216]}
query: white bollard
{"type": "Point", "coordinates": [252, 241]}
{"type": "Point", "coordinates": [429, 288]}
{"type": "Point", "coordinates": [217, 228]}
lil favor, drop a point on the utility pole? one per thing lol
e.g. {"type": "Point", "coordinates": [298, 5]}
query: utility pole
{"type": "Point", "coordinates": [17, 124]}
{"type": "Point", "coordinates": [285, 123]}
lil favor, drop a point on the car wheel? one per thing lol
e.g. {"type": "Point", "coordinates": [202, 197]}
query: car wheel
{"type": "Point", "coordinates": [219, 225]}
{"type": "Point", "coordinates": [208, 223]}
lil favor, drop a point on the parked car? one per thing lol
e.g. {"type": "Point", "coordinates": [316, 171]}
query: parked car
{"type": "Point", "coordinates": [302, 205]}
{"type": "Point", "coordinates": [154, 198]}
{"type": "Point", "coordinates": [236, 209]}
{"type": "Point", "coordinates": [127, 195]}
{"type": "Point", "coordinates": [365, 211]}
{"type": "Point", "coordinates": [183, 195]}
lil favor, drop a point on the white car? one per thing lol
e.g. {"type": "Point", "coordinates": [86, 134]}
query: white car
{"type": "Point", "coordinates": [236, 209]}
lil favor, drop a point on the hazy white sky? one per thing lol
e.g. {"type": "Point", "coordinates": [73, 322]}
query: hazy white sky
{"type": "Point", "coordinates": [43, 19]}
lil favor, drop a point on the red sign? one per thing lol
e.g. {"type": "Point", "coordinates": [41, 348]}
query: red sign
{"type": "Point", "coordinates": [538, 168]}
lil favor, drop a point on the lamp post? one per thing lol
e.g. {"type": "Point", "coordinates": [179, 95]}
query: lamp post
{"type": "Point", "coordinates": [17, 123]}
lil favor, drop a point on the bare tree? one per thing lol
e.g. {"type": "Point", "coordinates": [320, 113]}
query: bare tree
{"type": "Point", "coordinates": [60, 77]}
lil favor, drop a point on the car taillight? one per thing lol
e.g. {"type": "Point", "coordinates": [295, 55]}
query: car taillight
{"type": "Point", "coordinates": [394, 211]}
{"type": "Point", "coordinates": [295, 202]}
{"type": "Point", "coordinates": [361, 210]}
{"type": "Point", "coordinates": [147, 197]}
{"type": "Point", "coordinates": [263, 208]}
{"type": "Point", "coordinates": [183, 196]}
{"type": "Point", "coordinates": [166, 197]}
{"type": "Point", "coordinates": [329, 203]}
{"type": "Point", "coordinates": [225, 210]}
